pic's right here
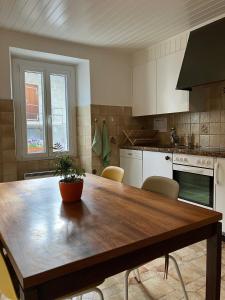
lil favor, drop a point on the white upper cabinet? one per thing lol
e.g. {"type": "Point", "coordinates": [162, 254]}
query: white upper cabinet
{"type": "Point", "coordinates": [170, 100]}
{"type": "Point", "coordinates": [155, 75]}
{"type": "Point", "coordinates": [144, 89]}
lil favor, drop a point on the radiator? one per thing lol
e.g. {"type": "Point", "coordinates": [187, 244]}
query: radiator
{"type": "Point", "coordinates": [42, 174]}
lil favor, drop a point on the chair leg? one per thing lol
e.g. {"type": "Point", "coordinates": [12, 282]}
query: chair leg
{"type": "Point", "coordinates": [126, 276]}
{"type": "Point", "coordinates": [137, 275]}
{"type": "Point", "coordinates": [99, 292]}
{"type": "Point", "coordinates": [180, 276]}
{"type": "Point", "coordinates": [94, 289]}
{"type": "Point", "coordinates": [126, 281]}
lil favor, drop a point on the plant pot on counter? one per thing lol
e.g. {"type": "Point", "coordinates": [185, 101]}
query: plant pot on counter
{"type": "Point", "coordinates": [71, 191]}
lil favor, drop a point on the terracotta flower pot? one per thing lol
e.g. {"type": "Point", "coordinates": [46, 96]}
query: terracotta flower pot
{"type": "Point", "coordinates": [71, 191]}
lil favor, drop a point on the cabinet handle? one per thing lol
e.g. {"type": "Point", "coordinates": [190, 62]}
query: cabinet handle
{"type": "Point", "coordinates": [167, 157]}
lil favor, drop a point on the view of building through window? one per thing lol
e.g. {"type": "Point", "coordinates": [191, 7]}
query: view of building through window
{"type": "Point", "coordinates": [35, 112]}
{"type": "Point", "coordinates": [36, 106]}
{"type": "Point", "coordinates": [32, 106]}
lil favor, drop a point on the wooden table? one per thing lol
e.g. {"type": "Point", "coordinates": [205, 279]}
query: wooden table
{"type": "Point", "coordinates": [57, 248]}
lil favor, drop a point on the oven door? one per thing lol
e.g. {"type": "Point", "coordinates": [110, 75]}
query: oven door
{"type": "Point", "coordinates": [196, 184]}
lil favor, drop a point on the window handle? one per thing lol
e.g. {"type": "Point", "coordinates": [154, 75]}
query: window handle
{"type": "Point", "coordinates": [49, 119]}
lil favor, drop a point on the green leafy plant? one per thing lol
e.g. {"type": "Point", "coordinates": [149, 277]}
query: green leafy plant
{"type": "Point", "coordinates": [65, 167]}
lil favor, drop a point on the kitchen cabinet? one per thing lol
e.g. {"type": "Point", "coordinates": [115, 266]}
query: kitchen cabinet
{"type": "Point", "coordinates": [144, 89]}
{"type": "Point", "coordinates": [220, 188]}
{"type": "Point", "coordinates": [154, 87]}
{"type": "Point", "coordinates": [157, 164]}
{"type": "Point", "coordinates": [131, 162]}
{"type": "Point", "coordinates": [170, 100]}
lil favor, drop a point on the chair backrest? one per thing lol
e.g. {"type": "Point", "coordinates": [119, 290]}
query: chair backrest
{"type": "Point", "coordinates": [113, 173]}
{"type": "Point", "coordinates": [162, 185]}
{"type": "Point", "coordinates": [6, 285]}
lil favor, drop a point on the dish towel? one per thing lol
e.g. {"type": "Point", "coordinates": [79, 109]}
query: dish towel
{"type": "Point", "coordinates": [97, 141]}
{"type": "Point", "coordinates": [105, 146]}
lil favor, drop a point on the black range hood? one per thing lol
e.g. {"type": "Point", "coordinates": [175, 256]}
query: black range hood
{"type": "Point", "coordinates": [204, 59]}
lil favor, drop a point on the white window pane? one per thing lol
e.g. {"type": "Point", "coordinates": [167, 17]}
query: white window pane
{"type": "Point", "coordinates": [35, 129]}
{"type": "Point", "coordinates": [58, 85]}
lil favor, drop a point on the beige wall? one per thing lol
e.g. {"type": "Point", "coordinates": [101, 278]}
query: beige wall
{"type": "Point", "coordinates": [110, 69]}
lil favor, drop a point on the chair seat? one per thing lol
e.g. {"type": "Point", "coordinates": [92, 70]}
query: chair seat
{"type": "Point", "coordinates": [6, 286]}
{"type": "Point", "coordinates": [85, 290]}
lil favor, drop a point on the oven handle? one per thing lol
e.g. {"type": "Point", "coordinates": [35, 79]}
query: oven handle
{"type": "Point", "coordinates": [193, 170]}
{"type": "Point", "coordinates": [217, 173]}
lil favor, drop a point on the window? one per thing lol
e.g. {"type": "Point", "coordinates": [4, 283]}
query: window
{"type": "Point", "coordinates": [45, 108]}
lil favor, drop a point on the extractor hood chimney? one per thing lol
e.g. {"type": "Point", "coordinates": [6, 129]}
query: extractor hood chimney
{"type": "Point", "coordinates": [204, 59]}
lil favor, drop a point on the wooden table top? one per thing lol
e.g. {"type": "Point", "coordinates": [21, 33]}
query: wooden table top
{"type": "Point", "coordinates": [46, 238]}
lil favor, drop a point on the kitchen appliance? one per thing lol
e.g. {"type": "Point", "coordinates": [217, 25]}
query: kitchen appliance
{"type": "Point", "coordinates": [203, 61]}
{"type": "Point", "coordinates": [195, 175]}
{"type": "Point", "coordinates": [131, 162]}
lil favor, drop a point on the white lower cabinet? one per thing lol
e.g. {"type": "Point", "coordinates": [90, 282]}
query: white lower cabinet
{"type": "Point", "coordinates": [157, 164]}
{"type": "Point", "coordinates": [220, 188]}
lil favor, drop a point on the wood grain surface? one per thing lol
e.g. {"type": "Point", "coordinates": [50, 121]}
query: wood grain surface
{"type": "Point", "coordinates": [46, 239]}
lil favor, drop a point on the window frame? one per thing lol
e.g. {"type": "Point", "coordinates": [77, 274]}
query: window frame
{"type": "Point", "coordinates": [19, 66]}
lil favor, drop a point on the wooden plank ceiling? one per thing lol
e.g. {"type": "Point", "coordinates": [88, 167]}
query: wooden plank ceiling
{"type": "Point", "coordinates": [127, 24]}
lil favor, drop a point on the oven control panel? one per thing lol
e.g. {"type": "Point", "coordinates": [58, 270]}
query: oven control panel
{"type": "Point", "coordinates": [193, 160]}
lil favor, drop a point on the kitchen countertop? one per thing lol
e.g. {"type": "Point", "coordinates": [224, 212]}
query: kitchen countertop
{"type": "Point", "coordinates": [206, 151]}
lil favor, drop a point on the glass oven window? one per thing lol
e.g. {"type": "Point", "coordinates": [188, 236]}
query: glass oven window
{"type": "Point", "coordinates": [195, 188]}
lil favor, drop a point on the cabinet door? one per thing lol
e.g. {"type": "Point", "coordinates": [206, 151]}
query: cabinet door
{"type": "Point", "coordinates": [144, 89]}
{"type": "Point", "coordinates": [157, 164]}
{"type": "Point", "coordinates": [170, 100]}
{"type": "Point", "coordinates": [220, 188]}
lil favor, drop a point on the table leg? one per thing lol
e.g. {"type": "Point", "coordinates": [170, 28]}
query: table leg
{"type": "Point", "coordinates": [29, 294]}
{"type": "Point", "coordinates": [213, 265]}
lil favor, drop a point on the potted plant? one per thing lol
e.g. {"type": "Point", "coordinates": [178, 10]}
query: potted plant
{"type": "Point", "coordinates": [71, 184]}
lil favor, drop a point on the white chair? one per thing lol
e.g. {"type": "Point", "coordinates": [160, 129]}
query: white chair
{"type": "Point", "coordinates": [169, 188]}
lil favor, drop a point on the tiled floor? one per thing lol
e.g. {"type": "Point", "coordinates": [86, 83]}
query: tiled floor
{"type": "Point", "coordinates": [192, 262]}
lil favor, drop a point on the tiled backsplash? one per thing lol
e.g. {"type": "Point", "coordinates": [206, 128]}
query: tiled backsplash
{"type": "Point", "coordinates": [84, 137]}
{"type": "Point", "coordinates": [207, 128]}
{"type": "Point", "coordinates": [8, 167]}
{"type": "Point", "coordinates": [117, 118]}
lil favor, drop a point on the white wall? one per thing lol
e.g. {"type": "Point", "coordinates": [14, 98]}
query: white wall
{"type": "Point", "coordinates": [83, 88]}
{"type": "Point", "coordinates": [164, 48]}
{"type": "Point", "coordinates": [110, 69]}
{"type": "Point", "coordinates": [168, 46]}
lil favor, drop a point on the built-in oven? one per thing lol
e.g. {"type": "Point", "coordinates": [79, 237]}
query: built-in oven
{"type": "Point", "coordinates": [195, 175]}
